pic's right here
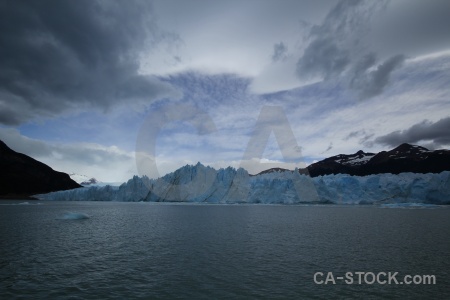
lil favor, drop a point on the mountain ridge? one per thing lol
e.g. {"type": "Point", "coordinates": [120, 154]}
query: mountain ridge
{"type": "Point", "coordinates": [23, 176]}
{"type": "Point", "coordinates": [404, 158]}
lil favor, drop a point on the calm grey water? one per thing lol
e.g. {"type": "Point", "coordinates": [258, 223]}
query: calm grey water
{"type": "Point", "coordinates": [145, 250]}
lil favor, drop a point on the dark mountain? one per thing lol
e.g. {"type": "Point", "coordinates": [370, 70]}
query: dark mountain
{"type": "Point", "coordinates": [278, 170]}
{"type": "Point", "coordinates": [22, 176]}
{"type": "Point", "coordinates": [342, 163]}
{"type": "Point", "coordinates": [404, 158]}
{"type": "Point", "coordinates": [409, 158]}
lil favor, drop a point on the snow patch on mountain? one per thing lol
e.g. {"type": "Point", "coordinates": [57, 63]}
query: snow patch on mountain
{"type": "Point", "coordinates": [359, 158]}
{"type": "Point", "coordinates": [84, 180]}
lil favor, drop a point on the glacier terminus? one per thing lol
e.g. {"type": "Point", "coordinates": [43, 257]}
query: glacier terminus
{"type": "Point", "coordinates": [203, 184]}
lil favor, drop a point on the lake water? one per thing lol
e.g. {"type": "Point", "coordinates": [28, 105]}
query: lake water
{"type": "Point", "coordinates": [151, 250]}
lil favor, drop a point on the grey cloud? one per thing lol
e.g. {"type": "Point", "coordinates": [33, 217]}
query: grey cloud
{"type": "Point", "coordinates": [432, 146]}
{"type": "Point", "coordinates": [363, 137]}
{"type": "Point", "coordinates": [322, 58]}
{"type": "Point", "coordinates": [21, 144]}
{"type": "Point", "coordinates": [354, 134]}
{"type": "Point", "coordinates": [82, 154]}
{"type": "Point", "coordinates": [8, 116]}
{"type": "Point", "coordinates": [60, 55]}
{"type": "Point", "coordinates": [372, 83]}
{"type": "Point", "coordinates": [339, 48]}
{"type": "Point", "coordinates": [90, 156]}
{"type": "Point", "coordinates": [364, 140]}
{"type": "Point", "coordinates": [330, 146]}
{"type": "Point", "coordinates": [415, 27]}
{"type": "Point", "coordinates": [438, 133]}
{"type": "Point", "coordinates": [279, 52]}
{"type": "Point", "coordinates": [362, 65]}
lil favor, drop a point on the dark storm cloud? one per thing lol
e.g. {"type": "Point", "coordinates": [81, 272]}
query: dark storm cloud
{"type": "Point", "coordinates": [438, 133]}
{"type": "Point", "coordinates": [337, 48]}
{"type": "Point", "coordinates": [279, 52]}
{"type": "Point", "coordinates": [58, 55]}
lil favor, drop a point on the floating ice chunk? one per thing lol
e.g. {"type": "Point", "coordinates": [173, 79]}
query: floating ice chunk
{"type": "Point", "coordinates": [74, 216]}
{"type": "Point", "coordinates": [409, 205]}
{"type": "Point", "coordinates": [21, 203]}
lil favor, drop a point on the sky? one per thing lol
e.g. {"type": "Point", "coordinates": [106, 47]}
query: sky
{"type": "Point", "coordinates": [112, 89]}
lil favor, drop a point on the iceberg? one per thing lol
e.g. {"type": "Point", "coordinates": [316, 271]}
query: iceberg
{"type": "Point", "coordinates": [409, 205]}
{"type": "Point", "coordinates": [201, 183]}
{"type": "Point", "coordinates": [74, 216]}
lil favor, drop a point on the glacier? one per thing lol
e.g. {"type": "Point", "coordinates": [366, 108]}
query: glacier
{"type": "Point", "coordinates": [203, 184]}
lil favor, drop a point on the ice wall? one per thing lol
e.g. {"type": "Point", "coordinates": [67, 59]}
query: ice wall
{"type": "Point", "coordinates": [205, 184]}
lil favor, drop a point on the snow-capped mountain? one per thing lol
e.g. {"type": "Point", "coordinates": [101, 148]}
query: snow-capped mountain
{"type": "Point", "coordinates": [357, 159]}
{"type": "Point", "coordinates": [83, 179]}
{"type": "Point", "coordinates": [404, 158]}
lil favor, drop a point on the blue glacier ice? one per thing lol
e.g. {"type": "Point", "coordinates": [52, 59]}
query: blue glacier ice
{"type": "Point", "coordinates": [204, 184]}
